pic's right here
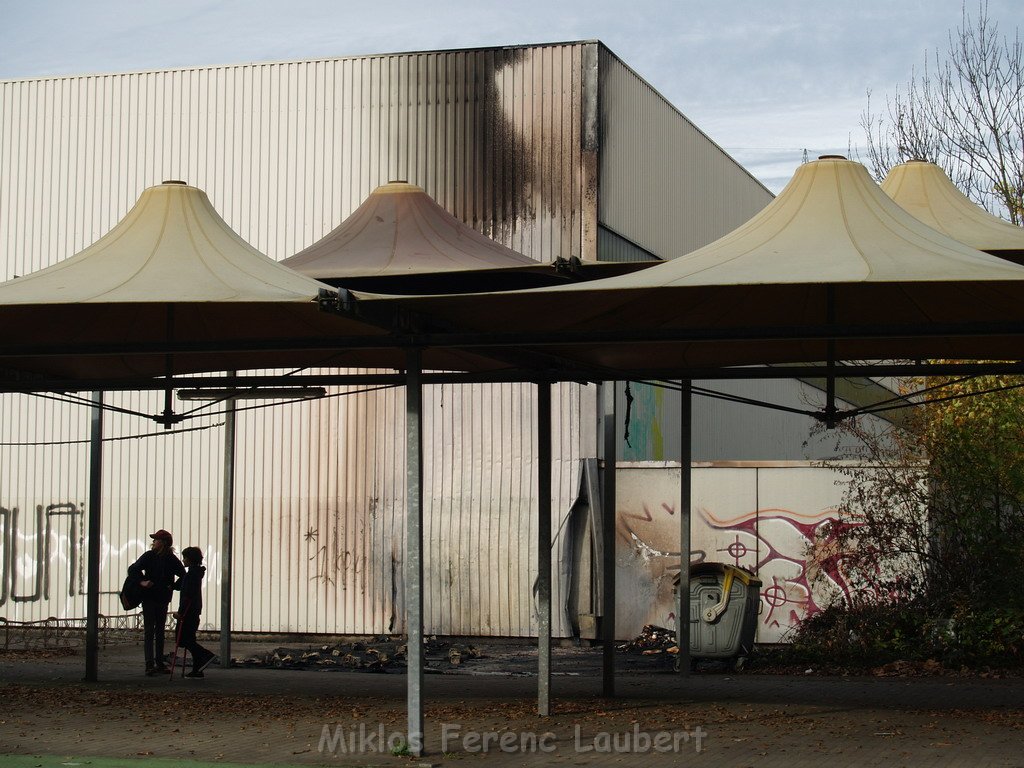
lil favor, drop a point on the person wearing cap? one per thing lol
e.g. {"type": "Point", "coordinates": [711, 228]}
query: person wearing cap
{"type": "Point", "coordinates": [190, 608]}
{"type": "Point", "coordinates": [156, 571]}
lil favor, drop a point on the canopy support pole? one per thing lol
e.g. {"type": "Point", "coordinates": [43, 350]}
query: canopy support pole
{"type": "Point", "coordinates": [167, 417]}
{"type": "Point", "coordinates": [544, 549]}
{"type": "Point", "coordinates": [414, 549]}
{"type": "Point", "coordinates": [92, 589]}
{"type": "Point", "coordinates": [685, 503]}
{"type": "Point", "coordinates": [227, 533]}
{"type": "Point", "coordinates": [608, 543]}
{"type": "Point", "coordinates": [831, 412]}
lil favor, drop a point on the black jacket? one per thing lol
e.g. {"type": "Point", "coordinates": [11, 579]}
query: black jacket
{"type": "Point", "coordinates": [191, 585]}
{"type": "Point", "coordinates": [159, 568]}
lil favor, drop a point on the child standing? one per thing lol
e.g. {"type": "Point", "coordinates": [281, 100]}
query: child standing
{"type": "Point", "coordinates": [190, 608]}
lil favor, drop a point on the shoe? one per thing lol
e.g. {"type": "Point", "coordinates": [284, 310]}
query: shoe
{"type": "Point", "coordinates": [162, 670]}
{"type": "Point", "coordinates": [195, 673]}
{"type": "Point", "coordinates": [207, 662]}
{"type": "Point", "coordinates": [151, 671]}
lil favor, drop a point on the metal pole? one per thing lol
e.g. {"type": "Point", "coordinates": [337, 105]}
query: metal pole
{"type": "Point", "coordinates": [414, 549]}
{"type": "Point", "coordinates": [544, 549]}
{"type": "Point", "coordinates": [685, 501]}
{"type": "Point", "coordinates": [830, 361]}
{"type": "Point", "coordinates": [92, 588]}
{"type": "Point", "coordinates": [608, 543]}
{"type": "Point", "coordinates": [227, 534]}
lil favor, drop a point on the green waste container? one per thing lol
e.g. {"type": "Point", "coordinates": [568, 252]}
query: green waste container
{"type": "Point", "coordinates": [724, 604]}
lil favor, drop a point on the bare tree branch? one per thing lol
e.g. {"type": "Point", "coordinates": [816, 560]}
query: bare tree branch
{"type": "Point", "coordinates": [964, 112]}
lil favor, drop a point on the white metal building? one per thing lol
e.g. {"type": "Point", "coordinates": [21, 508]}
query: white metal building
{"type": "Point", "coordinates": [555, 150]}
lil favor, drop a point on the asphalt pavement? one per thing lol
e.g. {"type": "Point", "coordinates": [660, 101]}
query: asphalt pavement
{"type": "Point", "coordinates": [486, 709]}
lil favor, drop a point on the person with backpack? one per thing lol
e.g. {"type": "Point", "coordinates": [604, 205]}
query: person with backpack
{"type": "Point", "coordinates": [190, 608]}
{"type": "Point", "coordinates": [155, 572]}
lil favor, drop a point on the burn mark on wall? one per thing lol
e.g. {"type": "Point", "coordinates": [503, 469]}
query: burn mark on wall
{"type": "Point", "coordinates": [494, 135]}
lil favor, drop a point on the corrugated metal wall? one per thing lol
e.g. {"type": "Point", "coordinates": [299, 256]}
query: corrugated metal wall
{"type": "Point", "coordinates": [613, 247]}
{"type": "Point", "coordinates": [728, 431]}
{"type": "Point", "coordinates": [285, 152]}
{"type": "Point", "coordinates": [151, 480]}
{"type": "Point", "coordinates": [664, 184]}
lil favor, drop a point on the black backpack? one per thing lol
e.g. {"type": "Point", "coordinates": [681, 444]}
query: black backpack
{"type": "Point", "coordinates": [130, 594]}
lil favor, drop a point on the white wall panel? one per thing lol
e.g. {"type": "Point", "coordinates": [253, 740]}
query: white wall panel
{"type": "Point", "coordinates": [665, 186]}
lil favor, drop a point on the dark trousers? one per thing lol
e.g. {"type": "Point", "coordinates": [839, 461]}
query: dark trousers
{"type": "Point", "coordinates": [187, 628]}
{"type": "Point", "coordinates": [154, 617]}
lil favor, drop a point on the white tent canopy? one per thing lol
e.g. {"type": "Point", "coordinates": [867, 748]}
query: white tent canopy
{"type": "Point", "coordinates": [172, 245]}
{"type": "Point", "coordinates": [924, 190]}
{"type": "Point", "coordinates": [401, 241]}
{"type": "Point", "coordinates": [400, 230]}
{"type": "Point", "coordinates": [173, 289]}
{"type": "Point", "coordinates": [832, 257]}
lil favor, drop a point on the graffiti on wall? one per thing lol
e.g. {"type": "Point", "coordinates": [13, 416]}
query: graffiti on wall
{"type": "Point", "coordinates": [779, 544]}
{"type": "Point", "coordinates": [36, 559]}
{"type": "Point", "coordinates": [786, 545]}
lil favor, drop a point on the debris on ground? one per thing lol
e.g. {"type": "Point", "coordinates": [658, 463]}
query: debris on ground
{"type": "Point", "coordinates": [915, 668]}
{"type": "Point", "coordinates": [651, 641]}
{"type": "Point", "coordinates": [382, 653]}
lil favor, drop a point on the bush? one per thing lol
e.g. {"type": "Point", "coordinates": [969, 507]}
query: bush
{"type": "Point", "coordinates": [927, 541]}
{"type": "Point", "coordinates": [873, 634]}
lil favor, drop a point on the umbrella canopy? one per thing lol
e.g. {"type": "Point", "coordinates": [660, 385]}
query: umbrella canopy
{"type": "Point", "coordinates": [401, 241]}
{"type": "Point", "coordinates": [924, 190]}
{"type": "Point", "coordinates": [173, 289]}
{"type": "Point", "coordinates": [831, 269]}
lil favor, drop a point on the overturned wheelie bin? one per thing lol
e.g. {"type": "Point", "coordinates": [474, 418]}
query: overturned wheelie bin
{"type": "Point", "coordinates": [724, 603]}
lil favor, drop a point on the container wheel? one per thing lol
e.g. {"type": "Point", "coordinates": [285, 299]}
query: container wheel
{"type": "Point", "coordinates": [677, 664]}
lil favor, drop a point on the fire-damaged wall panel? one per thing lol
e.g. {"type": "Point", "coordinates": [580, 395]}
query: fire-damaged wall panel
{"type": "Point", "coordinates": [322, 498]}
{"type": "Point", "coordinates": [286, 151]}
{"type": "Point", "coordinates": [318, 539]}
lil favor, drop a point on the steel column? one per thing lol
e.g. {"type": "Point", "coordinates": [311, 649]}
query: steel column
{"type": "Point", "coordinates": [685, 502]}
{"type": "Point", "coordinates": [227, 533]}
{"type": "Point", "coordinates": [92, 588]}
{"type": "Point", "coordinates": [544, 549]}
{"type": "Point", "coordinates": [608, 507]}
{"type": "Point", "coordinates": [414, 549]}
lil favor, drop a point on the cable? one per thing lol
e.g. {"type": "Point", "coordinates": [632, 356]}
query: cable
{"type": "Point", "coordinates": [78, 400]}
{"type": "Point", "coordinates": [961, 396]}
{"type": "Point", "coordinates": [903, 401]}
{"type": "Point", "coordinates": [190, 429]}
{"type": "Point", "coordinates": [112, 439]}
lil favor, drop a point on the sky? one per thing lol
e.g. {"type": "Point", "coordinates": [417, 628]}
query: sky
{"type": "Point", "coordinates": [765, 79]}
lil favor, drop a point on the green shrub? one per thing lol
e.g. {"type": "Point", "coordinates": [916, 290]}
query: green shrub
{"type": "Point", "coordinates": [873, 634]}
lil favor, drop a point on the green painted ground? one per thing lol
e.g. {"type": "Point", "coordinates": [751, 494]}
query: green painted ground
{"type": "Point", "coordinates": [63, 761]}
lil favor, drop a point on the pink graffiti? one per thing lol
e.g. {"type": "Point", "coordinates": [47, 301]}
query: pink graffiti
{"type": "Point", "coordinates": [793, 594]}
